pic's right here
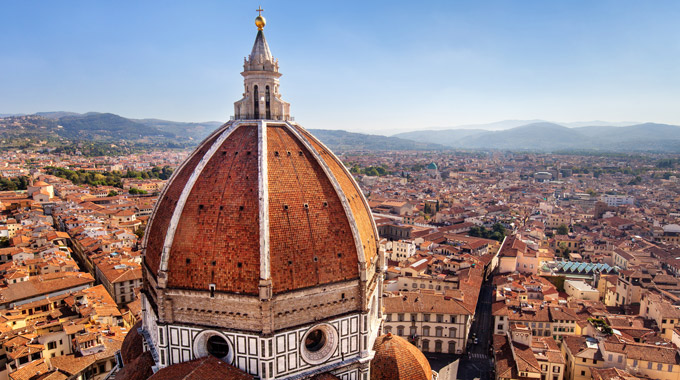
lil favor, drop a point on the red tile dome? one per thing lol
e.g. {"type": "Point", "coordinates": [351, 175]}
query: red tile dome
{"type": "Point", "coordinates": [397, 359]}
{"type": "Point", "coordinates": [259, 201]}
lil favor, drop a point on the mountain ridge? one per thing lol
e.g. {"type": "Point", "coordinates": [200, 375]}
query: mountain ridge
{"type": "Point", "coordinates": [64, 126]}
{"type": "Point", "coordinates": [545, 136]}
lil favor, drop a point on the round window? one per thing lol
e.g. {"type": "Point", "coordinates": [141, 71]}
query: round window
{"type": "Point", "coordinates": [315, 340]}
{"type": "Point", "coordinates": [214, 343]}
{"type": "Point", "coordinates": [217, 346]}
{"type": "Point", "coordinates": [319, 343]}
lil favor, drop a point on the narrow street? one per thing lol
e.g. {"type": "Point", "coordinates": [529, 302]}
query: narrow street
{"type": "Point", "coordinates": [477, 362]}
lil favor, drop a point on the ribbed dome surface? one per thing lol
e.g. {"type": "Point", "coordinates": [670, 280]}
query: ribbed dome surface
{"type": "Point", "coordinates": [260, 201]}
{"type": "Point", "coordinates": [397, 359]}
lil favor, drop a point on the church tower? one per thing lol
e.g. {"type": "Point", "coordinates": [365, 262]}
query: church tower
{"type": "Point", "coordinates": [261, 254]}
{"type": "Point", "coordinates": [261, 99]}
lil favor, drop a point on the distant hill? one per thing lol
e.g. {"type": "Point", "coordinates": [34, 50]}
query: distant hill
{"type": "Point", "coordinates": [190, 131]}
{"type": "Point", "coordinates": [59, 128]}
{"type": "Point", "coordinates": [348, 141]}
{"type": "Point", "coordinates": [107, 126]}
{"type": "Point", "coordinates": [56, 114]}
{"type": "Point", "coordinates": [63, 127]}
{"type": "Point", "coordinates": [550, 137]}
{"type": "Point", "coordinates": [537, 136]}
{"type": "Point", "coordinates": [450, 137]}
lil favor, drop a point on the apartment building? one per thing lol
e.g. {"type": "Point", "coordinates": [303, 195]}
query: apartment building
{"type": "Point", "coordinates": [432, 322]}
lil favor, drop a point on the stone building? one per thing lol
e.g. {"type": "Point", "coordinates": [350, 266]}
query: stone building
{"type": "Point", "coordinates": [434, 322]}
{"type": "Point", "coordinates": [262, 259]}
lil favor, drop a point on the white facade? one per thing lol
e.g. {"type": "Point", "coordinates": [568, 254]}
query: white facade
{"type": "Point", "coordinates": [402, 250]}
{"type": "Point", "coordinates": [617, 200]}
{"type": "Point", "coordinates": [349, 340]}
{"type": "Point", "coordinates": [581, 291]}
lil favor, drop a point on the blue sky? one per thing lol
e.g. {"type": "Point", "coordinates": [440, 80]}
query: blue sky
{"type": "Point", "coordinates": [376, 66]}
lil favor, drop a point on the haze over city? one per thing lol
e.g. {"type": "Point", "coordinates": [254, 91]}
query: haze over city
{"type": "Point", "coordinates": [380, 67]}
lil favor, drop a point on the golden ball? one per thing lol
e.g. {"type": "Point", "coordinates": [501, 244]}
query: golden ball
{"type": "Point", "coordinates": [260, 22]}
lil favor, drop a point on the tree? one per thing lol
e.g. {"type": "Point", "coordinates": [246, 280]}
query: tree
{"type": "Point", "coordinates": [563, 249]}
{"type": "Point", "coordinates": [112, 193]}
{"type": "Point", "coordinates": [139, 232]}
{"type": "Point", "coordinates": [562, 230]}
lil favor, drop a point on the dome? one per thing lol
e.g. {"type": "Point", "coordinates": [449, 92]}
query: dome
{"type": "Point", "coordinates": [259, 203]}
{"type": "Point", "coordinates": [207, 368]}
{"type": "Point", "coordinates": [132, 346]}
{"type": "Point", "coordinates": [432, 166]}
{"type": "Point", "coordinates": [325, 376]}
{"type": "Point", "coordinates": [40, 184]}
{"type": "Point", "coordinates": [261, 247]}
{"type": "Point", "coordinates": [397, 359]}
{"type": "Point", "coordinates": [137, 363]}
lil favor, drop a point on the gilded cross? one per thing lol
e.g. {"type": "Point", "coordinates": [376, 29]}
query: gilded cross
{"type": "Point", "coordinates": [259, 11]}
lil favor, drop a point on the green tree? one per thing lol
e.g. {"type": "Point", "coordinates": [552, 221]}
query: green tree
{"type": "Point", "coordinates": [139, 232]}
{"type": "Point", "coordinates": [562, 230]}
{"type": "Point", "coordinates": [563, 249]}
{"type": "Point", "coordinates": [112, 193]}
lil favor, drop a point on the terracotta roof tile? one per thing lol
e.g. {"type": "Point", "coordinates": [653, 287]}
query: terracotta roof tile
{"type": "Point", "coordinates": [217, 240]}
{"type": "Point", "coordinates": [397, 359]}
{"type": "Point", "coordinates": [207, 368]}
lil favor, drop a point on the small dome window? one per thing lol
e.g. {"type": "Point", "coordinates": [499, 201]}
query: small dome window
{"type": "Point", "coordinates": [315, 340]}
{"type": "Point", "coordinates": [213, 343]}
{"type": "Point", "coordinates": [319, 343]}
{"type": "Point", "coordinates": [217, 347]}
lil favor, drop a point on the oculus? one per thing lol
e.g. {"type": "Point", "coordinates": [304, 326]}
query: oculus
{"type": "Point", "coordinates": [319, 344]}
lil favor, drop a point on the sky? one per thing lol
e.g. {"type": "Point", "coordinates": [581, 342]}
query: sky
{"type": "Point", "coordinates": [372, 67]}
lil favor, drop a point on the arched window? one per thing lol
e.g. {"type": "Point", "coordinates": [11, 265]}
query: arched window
{"type": "Point", "coordinates": [400, 330]}
{"type": "Point", "coordinates": [452, 332]}
{"type": "Point", "coordinates": [266, 99]}
{"type": "Point", "coordinates": [452, 347]}
{"type": "Point", "coordinates": [426, 345]}
{"type": "Point", "coordinates": [426, 330]}
{"type": "Point", "coordinates": [256, 103]}
{"type": "Point", "coordinates": [437, 346]}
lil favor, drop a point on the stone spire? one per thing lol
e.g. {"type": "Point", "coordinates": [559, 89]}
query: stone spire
{"type": "Point", "coordinates": [260, 53]}
{"type": "Point", "coordinates": [261, 99]}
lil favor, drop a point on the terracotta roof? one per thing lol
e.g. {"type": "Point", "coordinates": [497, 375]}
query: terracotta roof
{"type": "Point", "coordinates": [397, 359]}
{"type": "Point", "coordinates": [611, 374]}
{"type": "Point", "coordinates": [207, 368]}
{"type": "Point", "coordinates": [325, 376]}
{"type": "Point", "coordinates": [317, 214]}
{"type": "Point", "coordinates": [44, 284]}
{"type": "Point", "coordinates": [30, 370]}
{"type": "Point", "coordinates": [137, 369]}
{"type": "Point", "coordinates": [417, 302]}
{"type": "Point", "coordinates": [132, 345]}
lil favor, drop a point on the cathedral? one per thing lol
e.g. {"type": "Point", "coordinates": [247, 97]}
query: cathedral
{"type": "Point", "coordinates": [262, 259]}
